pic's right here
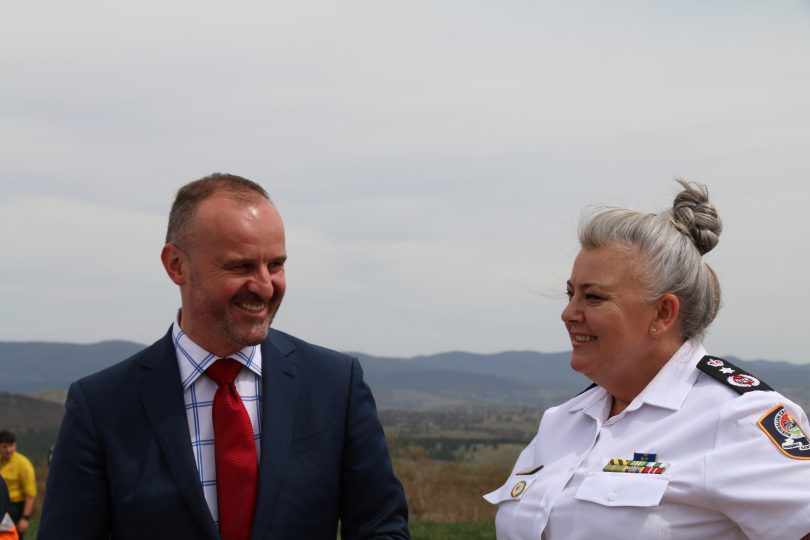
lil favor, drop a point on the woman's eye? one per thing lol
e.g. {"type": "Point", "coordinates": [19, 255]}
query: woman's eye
{"type": "Point", "coordinates": [592, 298]}
{"type": "Point", "coordinates": [569, 294]}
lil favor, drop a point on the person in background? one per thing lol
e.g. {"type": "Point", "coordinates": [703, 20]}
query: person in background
{"type": "Point", "coordinates": [225, 428]}
{"type": "Point", "coordinates": [19, 476]}
{"type": "Point", "coordinates": [669, 442]}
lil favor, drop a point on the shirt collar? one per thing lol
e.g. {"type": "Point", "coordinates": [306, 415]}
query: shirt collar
{"type": "Point", "coordinates": [193, 360]}
{"type": "Point", "coordinates": [668, 389]}
{"type": "Point", "coordinates": [672, 383]}
{"type": "Point", "coordinates": [588, 399]}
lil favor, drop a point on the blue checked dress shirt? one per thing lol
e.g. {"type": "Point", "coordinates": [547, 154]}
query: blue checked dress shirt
{"type": "Point", "coordinates": [198, 394]}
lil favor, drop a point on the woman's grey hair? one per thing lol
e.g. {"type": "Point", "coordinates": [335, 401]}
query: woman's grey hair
{"type": "Point", "coordinates": [671, 245]}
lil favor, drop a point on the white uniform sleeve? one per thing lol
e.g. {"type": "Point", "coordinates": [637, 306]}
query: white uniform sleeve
{"type": "Point", "coordinates": [749, 477]}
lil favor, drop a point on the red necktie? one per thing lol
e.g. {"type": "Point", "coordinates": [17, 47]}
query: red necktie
{"type": "Point", "coordinates": [235, 453]}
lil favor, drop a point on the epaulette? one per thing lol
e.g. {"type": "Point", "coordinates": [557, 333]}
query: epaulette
{"type": "Point", "coordinates": [727, 373]}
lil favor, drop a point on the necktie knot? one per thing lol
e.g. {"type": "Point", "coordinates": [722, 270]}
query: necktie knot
{"type": "Point", "coordinates": [224, 371]}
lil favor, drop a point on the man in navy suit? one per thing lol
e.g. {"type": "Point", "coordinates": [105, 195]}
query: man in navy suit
{"type": "Point", "coordinates": [136, 455]}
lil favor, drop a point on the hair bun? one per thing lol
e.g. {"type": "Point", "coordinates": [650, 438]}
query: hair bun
{"type": "Point", "coordinates": [695, 216]}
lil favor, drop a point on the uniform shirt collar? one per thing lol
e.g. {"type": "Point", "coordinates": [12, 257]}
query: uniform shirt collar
{"type": "Point", "coordinates": [193, 360]}
{"type": "Point", "coordinates": [668, 389]}
{"type": "Point", "coordinates": [588, 399]}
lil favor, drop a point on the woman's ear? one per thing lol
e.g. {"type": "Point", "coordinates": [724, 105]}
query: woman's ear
{"type": "Point", "coordinates": [667, 309]}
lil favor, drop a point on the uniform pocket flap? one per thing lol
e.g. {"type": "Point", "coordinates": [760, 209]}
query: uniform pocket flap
{"type": "Point", "coordinates": [623, 489]}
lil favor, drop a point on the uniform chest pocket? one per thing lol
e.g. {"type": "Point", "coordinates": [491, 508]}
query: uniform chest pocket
{"type": "Point", "coordinates": [623, 489]}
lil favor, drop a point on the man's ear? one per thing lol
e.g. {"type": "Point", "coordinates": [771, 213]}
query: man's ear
{"type": "Point", "coordinates": [175, 263]}
{"type": "Point", "coordinates": [667, 309]}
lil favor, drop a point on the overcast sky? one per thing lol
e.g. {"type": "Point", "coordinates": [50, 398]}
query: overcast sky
{"type": "Point", "coordinates": [431, 159]}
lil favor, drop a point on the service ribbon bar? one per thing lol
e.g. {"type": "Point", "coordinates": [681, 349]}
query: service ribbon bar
{"type": "Point", "coordinates": [635, 466]}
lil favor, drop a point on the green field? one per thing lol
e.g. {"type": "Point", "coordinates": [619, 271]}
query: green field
{"type": "Point", "coordinates": [31, 534]}
{"type": "Point", "coordinates": [453, 531]}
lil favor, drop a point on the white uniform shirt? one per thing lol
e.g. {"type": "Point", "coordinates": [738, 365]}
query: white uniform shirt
{"type": "Point", "coordinates": [726, 479]}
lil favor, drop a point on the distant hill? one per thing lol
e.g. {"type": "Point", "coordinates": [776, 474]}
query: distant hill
{"type": "Point", "coordinates": [507, 378]}
{"type": "Point", "coordinates": [35, 422]}
{"type": "Point", "coordinates": [523, 378]}
{"type": "Point", "coordinates": [451, 388]}
{"type": "Point", "coordinates": [54, 395]}
{"type": "Point", "coordinates": [27, 367]}
{"type": "Point", "coordinates": [20, 413]}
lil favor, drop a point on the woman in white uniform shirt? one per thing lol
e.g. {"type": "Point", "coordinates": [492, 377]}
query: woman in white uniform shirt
{"type": "Point", "coordinates": [669, 442]}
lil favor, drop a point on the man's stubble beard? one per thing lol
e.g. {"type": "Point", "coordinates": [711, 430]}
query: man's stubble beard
{"type": "Point", "coordinates": [235, 334]}
{"type": "Point", "coordinates": [225, 327]}
{"type": "Point", "coordinates": [232, 332]}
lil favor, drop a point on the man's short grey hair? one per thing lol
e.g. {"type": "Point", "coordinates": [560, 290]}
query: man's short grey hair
{"type": "Point", "coordinates": [671, 245]}
{"type": "Point", "coordinates": [190, 196]}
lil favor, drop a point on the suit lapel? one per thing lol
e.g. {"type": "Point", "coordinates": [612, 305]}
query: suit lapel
{"type": "Point", "coordinates": [160, 390]}
{"type": "Point", "coordinates": [280, 384]}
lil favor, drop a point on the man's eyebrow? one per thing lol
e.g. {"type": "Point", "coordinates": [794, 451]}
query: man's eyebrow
{"type": "Point", "coordinates": [231, 262]}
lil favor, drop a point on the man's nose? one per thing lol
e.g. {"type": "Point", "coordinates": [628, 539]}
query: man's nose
{"type": "Point", "coordinates": [262, 284]}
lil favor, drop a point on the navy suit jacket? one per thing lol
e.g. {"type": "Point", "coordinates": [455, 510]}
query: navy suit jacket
{"type": "Point", "coordinates": [123, 466]}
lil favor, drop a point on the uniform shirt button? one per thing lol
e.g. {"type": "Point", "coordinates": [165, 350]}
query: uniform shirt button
{"type": "Point", "coordinates": [612, 496]}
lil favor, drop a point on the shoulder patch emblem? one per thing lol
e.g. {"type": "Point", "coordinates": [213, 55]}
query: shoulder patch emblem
{"type": "Point", "coordinates": [730, 375]}
{"type": "Point", "coordinates": [785, 433]}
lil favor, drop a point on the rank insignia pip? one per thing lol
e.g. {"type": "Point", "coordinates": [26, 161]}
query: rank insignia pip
{"type": "Point", "coordinates": [785, 432]}
{"type": "Point", "coordinates": [730, 375]}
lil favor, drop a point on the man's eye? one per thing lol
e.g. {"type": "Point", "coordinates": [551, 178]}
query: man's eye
{"type": "Point", "coordinates": [569, 294]}
{"type": "Point", "coordinates": [593, 298]}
